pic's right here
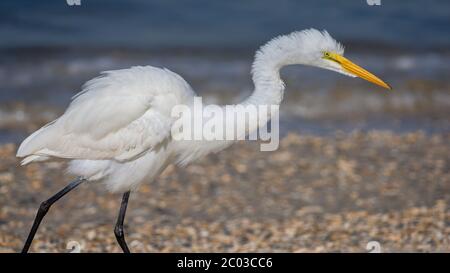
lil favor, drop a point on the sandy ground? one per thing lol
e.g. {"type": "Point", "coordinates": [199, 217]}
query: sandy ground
{"type": "Point", "coordinates": [314, 194]}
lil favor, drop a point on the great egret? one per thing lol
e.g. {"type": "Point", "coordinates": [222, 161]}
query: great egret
{"type": "Point", "coordinates": [118, 128]}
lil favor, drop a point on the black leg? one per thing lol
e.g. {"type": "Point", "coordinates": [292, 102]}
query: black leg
{"type": "Point", "coordinates": [43, 209]}
{"type": "Point", "coordinates": [118, 230]}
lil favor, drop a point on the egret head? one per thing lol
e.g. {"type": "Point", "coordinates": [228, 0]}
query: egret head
{"type": "Point", "coordinates": [327, 53]}
{"type": "Point", "coordinates": [314, 48]}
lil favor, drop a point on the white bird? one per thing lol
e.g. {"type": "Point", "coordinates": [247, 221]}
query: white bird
{"type": "Point", "coordinates": [118, 128]}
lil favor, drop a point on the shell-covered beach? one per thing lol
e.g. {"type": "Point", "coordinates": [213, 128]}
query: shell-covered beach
{"type": "Point", "coordinates": [315, 194]}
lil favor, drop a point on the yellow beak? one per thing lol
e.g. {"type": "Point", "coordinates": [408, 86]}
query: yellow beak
{"type": "Point", "coordinates": [355, 69]}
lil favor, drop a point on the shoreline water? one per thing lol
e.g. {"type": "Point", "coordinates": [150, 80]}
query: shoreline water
{"type": "Point", "coordinates": [37, 86]}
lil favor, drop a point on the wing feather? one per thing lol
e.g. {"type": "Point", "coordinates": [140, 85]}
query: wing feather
{"type": "Point", "coordinates": [119, 115]}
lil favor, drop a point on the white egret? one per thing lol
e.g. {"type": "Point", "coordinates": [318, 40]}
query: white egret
{"type": "Point", "coordinates": [118, 128]}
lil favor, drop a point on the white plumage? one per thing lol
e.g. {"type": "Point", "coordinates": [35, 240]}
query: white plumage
{"type": "Point", "coordinates": [118, 128]}
{"type": "Point", "coordinates": [119, 121]}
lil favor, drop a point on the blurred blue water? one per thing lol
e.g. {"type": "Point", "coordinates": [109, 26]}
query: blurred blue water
{"type": "Point", "coordinates": [49, 49]}
{"type": "Point", "coordinates": [206, 23]}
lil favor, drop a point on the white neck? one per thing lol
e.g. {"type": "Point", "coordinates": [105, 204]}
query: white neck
{"type": "Point", "coordinates": [304, 47]}
{"type": "Point", "coordinates": [269, 59]}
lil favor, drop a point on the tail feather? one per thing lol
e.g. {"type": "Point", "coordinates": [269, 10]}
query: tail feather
{"type": "Point", "coordinates": [34, 143]}
{"type": "Point", "coordinates": [33, 158]}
